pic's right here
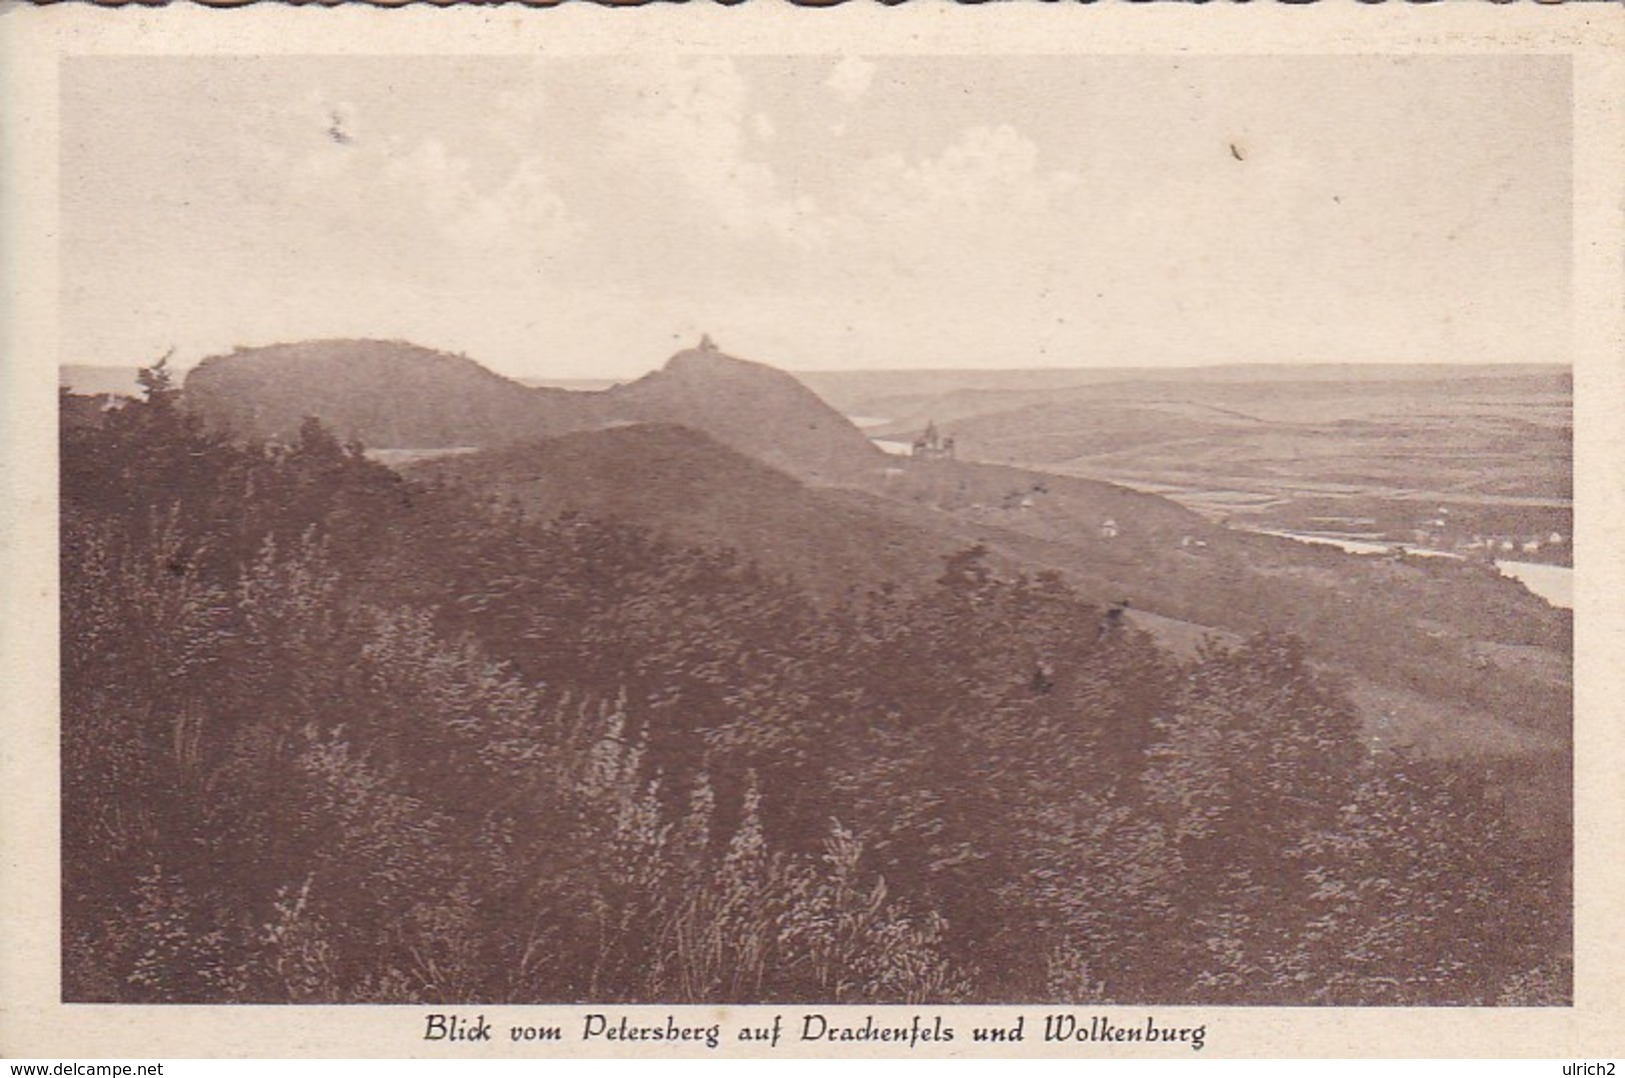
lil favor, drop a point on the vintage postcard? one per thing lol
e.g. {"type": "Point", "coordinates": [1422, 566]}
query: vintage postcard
{"type": "Point", "coordinates": [918, 533]}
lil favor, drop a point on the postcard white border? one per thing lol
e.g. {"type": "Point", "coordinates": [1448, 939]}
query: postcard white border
{"type": "Point", "coordinates": [33, 1021]}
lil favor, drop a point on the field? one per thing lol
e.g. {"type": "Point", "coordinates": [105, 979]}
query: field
{"type": "Point", "coordinates": [1474, 460]}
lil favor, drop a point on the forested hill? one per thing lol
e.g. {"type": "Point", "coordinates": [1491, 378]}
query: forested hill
{"type": "Point", "coordinates": [393, 395]}
{"type": "Point", "coordinates": [1448, 655]}
{"type": "Point", "coordinates": [383, 393]}
{"type": "Point", "coordinates": [333, 734]}
{"type": "Point", "coordinates": [688, 487]}
{"type": "Point", "coordinates": [755, 408]}
{"type": "Point", "coordinates": [1441, 651]}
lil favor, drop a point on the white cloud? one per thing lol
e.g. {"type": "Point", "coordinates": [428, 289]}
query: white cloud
{"type": "Point", "coordinates": [429, 199]}
{"type": "Point", "coordinates": [693, 131]}
{"type": "Point", "coordinates": [851, 78]}
{"type": "Point", "coordinates": [988, 172]}
{"type": "Point", "coordinates": [522, 213]}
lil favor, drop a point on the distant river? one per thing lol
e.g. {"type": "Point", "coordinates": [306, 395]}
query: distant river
{"type": "Point", "coordinates": [1554, 583]}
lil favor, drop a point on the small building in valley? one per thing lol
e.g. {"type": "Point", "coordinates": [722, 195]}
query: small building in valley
{"type": "Point", "coordinates": [932, 444]}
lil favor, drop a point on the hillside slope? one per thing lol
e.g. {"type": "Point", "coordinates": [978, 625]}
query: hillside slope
{"type": "Point", "coordinates": [716, 450]}
{"type": "Point", "coordinates": [688, 487]}
{"type": "Point", "coordinates": [755, 408]}
{"type": "Point", "coordinates": [1431, 631]}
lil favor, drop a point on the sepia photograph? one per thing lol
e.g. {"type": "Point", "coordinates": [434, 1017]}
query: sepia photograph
{"type": "Point", "coordinates": [816, 527]}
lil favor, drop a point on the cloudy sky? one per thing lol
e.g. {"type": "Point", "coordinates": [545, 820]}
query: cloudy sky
{"type": "Point", "coordinates": [581, 217]}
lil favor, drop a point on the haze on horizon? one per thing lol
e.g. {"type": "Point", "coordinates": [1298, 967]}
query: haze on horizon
{"type": "Point", "coordinates": [568, 218]}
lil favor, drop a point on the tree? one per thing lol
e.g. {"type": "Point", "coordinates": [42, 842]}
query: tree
{"type": "Point", "coordinates": [158, 384]}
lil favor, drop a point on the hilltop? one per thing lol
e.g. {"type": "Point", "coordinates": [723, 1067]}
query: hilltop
{"type": "Point", "coordinates": [386, 394]}
{"type": "Point", "coordinates": [755, 408]}
{"type": "Point", "coordinates": [394, 395]}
